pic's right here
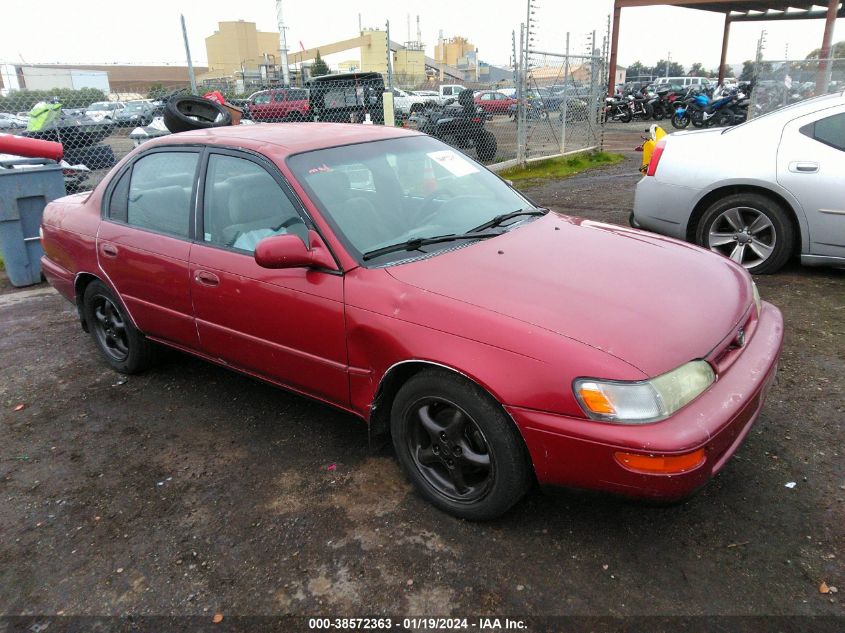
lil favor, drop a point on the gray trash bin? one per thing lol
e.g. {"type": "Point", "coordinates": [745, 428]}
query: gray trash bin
{"type": "Point", "coordinates": [26, 186]}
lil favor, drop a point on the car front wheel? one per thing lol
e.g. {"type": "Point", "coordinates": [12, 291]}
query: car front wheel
{"type": "Point", "coordinates": [751, 229]}
{"type": "Point", "coordinates": [121, 344]}
{"type": "Point", "coordinates": [458, 447]}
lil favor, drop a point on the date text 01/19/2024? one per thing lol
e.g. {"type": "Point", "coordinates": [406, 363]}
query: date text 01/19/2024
{"type": "Point", "coordinates": [418, 624]}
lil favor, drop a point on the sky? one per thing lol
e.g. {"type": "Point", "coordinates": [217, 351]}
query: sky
{"type": "Point", "coordinates": [149, 32]}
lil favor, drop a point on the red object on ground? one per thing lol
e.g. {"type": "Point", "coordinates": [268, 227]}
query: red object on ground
{"type": "Point", "coordinates": [216, 96]}
{"type": "Point", "coordinates": [30, 147]}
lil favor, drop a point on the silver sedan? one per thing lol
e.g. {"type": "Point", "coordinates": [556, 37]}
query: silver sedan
{"type": "Point", "coordinates": [759, 192]}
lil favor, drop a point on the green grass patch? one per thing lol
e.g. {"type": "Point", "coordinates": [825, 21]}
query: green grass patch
{"type": "Point", "coordinates": [561, 167]}
{"type": "Point", "coordinates": [2, 264]}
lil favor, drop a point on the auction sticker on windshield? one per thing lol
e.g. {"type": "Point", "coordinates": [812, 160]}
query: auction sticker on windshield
{"type": "Point", "coordinates": [456, 164]}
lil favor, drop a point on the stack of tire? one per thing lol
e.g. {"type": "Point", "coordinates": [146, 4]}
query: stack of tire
{"type": "Point", "coordinates": [187, 112]}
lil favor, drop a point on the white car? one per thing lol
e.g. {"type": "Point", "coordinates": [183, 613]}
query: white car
{"type": "Point", "coordinates": [104, 110]}
{"type": "Point", "coordinates": [759, 192]}
{"type": "Point", "coordinates": [407, 102]}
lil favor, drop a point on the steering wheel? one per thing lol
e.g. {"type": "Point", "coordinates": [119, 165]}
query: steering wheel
{"type": "Point", "coordinates": [445, 207]}
{"type": "Point", "coordinates": [289, 222]}
{"type": "Point", "coordinates": [427, 209]}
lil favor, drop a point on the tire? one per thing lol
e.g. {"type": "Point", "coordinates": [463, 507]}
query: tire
{"type": "Point", "coordinates": [439, 417]}
{"type": "Point", "coordinates": [121, 344]}
{"type": "Point", "coordinates": [680, 122]}
{"type": "Point", "coordinates": [485, 146]}
{"type": "Point", "coordinates": [774, 234]}
{"type": "Point", "coordinates": [659, 114]}
{"type": "Point", "coordinates": [626, 116]}
{"type": "Point", "coordinates": [182, 114]}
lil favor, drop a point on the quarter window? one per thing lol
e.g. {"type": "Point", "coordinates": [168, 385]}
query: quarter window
{"type": "Point", "coordinates": [830, 131]}
{"type": "Point", "coordinates": [160, 192]}
{"type": "Point", "coordinates": [243, 204]}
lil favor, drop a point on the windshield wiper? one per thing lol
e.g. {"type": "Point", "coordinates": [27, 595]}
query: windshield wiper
{"type": "Point", "coordinates": [418, 242]}
{"type": "Point", "coordinates": [504, 217]}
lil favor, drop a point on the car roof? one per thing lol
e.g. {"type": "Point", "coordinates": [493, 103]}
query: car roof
{"type": "Point", "coordinates": [283, 139]}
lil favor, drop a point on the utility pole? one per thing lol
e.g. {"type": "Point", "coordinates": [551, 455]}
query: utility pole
{"type": "Point", "coordinates": [188, 54]}
{"type": "Point", "coordinates": [668, 62]}
{"type": "Point", "coordinates": [283, 44]}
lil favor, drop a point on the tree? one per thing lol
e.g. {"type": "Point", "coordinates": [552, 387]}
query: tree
{"type": "Point", "coordinates": [319, 67]}
{"type": "Point", "coordinates": [675, 69]}
{"type": "Point", "coordinates": [697, 70]}
{"type": "Point", "coordinates": [747, 73]}
{"type": "Point", "coordinates": [837, 51]}
{"type": "Point", "coordinates": [157, 91]}
{"type": "Point", "coordinates": [638, 69]}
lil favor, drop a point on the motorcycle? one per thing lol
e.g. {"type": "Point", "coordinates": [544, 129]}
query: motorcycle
{"type": "Point", "coordinates": [700, 111]}
{"type": "Point", "coordinates": [640, 106]}
{"type": "Point", "coordinates": [617, 109]}
{"type": "Point", "coordinates": [460, 125]}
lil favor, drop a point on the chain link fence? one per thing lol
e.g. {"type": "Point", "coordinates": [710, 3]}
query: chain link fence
{"type": "Point", "coordinates": [547, 107]}
{"type": "Point", "coordinates": [778, 83]}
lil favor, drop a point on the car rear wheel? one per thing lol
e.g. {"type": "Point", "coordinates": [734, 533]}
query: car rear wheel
{"type": "Point", "coordinates": [458, 447]}
{"type": "Point", "coordinates": [121, 344]}
{"type": "Point", "coordinates": [485, 146]}
{"type": "Point", "coordinates": [751, 229]}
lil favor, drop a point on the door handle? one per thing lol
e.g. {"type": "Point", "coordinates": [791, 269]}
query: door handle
{"type": "Point", "coordinates": [803, 167]}
{"type": "Point", "coordinates": [108, 250]}
{"type": "Point", "coordinates": [206, 278]}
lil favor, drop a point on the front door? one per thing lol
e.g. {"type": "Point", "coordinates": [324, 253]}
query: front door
{"type": "Point", "coordinates": [285, 325]}
{"type": "Point", "coordinates": [811, 166]}
{"type": "Point", "coordinates": [144, 242]}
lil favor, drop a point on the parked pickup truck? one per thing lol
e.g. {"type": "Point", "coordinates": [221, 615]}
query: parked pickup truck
{"type": "Point", "coordinates": [448, 93]}
{"type": "Point", "coordinates": [407, 103]}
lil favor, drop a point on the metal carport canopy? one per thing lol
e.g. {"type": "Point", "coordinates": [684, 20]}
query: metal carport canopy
{"type": "Point", "coordinates": [740, 11]}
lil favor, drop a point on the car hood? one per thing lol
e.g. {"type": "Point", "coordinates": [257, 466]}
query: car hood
{"type": "Point", "coordinates": [649, 300]}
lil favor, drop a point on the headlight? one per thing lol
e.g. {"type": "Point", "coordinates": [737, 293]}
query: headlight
{"type": "Point", "coordinates": [644, 401]}
{"type": "Point", "coordinates": [758, 302]}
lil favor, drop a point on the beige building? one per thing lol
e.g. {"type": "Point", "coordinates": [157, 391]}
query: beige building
{"type": "Point", "coordinates": [374, 51]}
{"type": "Point", "coordinates": [239, 46]}
{"type": "Point", "coordinates": [409, 66]}
{"type": "Point", "coordinates": [451, 51]}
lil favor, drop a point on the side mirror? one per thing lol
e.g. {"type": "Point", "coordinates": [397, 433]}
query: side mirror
{"type": "Point", "coordinates": [289, 251]}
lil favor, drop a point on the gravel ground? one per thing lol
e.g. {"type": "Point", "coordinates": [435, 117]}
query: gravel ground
{"type": "Point", "coordinates": [194, 490]}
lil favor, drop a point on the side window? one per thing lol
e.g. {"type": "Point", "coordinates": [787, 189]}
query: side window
{"type": "Point", "coordinates": [160, 192]}
{"type": "Point", "coordinates": [261, 99]}
{"type": "Point", "coordinates": [243, 204]}
{"type": "Point", "coordinates": [830, 131]}
{"type": "Point", "coordinates": [447, 91]}
{"type": "Point", "coordinates": [297, 95]}
{"type": "Point", "coordinates": [119, 200]}
{"type": "Point", "coordinates": [279, 97]}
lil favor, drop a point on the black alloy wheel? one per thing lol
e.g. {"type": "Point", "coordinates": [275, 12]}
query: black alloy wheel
{"type": "Point", "coordinates": [123, 347]}
{"type": "Point", "coordinates": [449, 450]}
{"type": "Point", "coordinates": [109, 327]}
{"type": "Point", "coordinates": [457, 445]}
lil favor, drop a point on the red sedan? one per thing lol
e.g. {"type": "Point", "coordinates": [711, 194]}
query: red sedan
{"type": "Point", "coordinates": [493, 102]}
{"type": "Point", "coordinates": [381, 271]}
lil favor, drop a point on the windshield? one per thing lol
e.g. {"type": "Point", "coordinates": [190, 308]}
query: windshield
{"type": "Point", "coordinates": [391, 191]}
{"type": "Point", "coordinates": [102, 105]}
{"type": "Point", "coordinates": [135, 106]}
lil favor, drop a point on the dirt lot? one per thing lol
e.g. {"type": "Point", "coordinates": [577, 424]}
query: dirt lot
{"type": "Point", "coordinates": [192, 490]}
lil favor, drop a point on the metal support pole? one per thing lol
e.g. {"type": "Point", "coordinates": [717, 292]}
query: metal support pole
{"type": "Point", "coordinates": [614, 49]}
{"type": "Point", "coordinates": [725, 37]}
{"type": "Point", "coordinates": [520, 100]}
{"type": "Point", "coordinates": [565, 111]}
{"type": "Point", "coordinates": [283, 44]}
{"type": "Point", "coordinates": [822, 80]}
{"type": "Point", "coordinates": [188, 54]}
{"type": "Point", "coordinates": [389, 65]}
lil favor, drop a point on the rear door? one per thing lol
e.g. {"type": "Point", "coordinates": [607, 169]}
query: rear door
{"type": "Point", "coordinates": [144, 241]}
{"type": "Point", "coordinates": [284, 325]}
{"type": "Point", "coordinates": [811, 165]}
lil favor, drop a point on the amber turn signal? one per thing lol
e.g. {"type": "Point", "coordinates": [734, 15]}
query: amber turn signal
{"type": "Point", "coordinates": [661, 464]}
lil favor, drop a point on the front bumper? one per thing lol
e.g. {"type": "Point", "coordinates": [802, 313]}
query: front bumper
{"type": "Point", "coordinates": [579, 453]}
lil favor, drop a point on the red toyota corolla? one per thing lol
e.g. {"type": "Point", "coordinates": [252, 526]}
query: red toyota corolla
{"type": "Point", "coordinates": [381, 271]}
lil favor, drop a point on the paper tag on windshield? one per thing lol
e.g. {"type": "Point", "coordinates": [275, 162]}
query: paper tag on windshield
{"type": "Point", "coordinates": [453, 162]}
